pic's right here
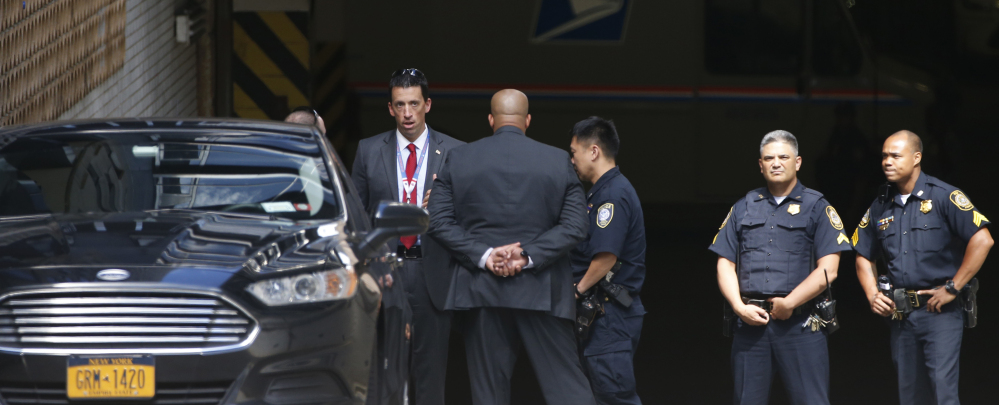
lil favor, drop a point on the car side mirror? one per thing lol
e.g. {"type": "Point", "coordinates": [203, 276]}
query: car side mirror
{"type": "Point", "coordinates": [392, 220]}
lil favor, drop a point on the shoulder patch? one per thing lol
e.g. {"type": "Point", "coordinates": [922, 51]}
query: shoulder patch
{"type": "Point", "coordinates": [866, 220]}
{"type": "Point", "coordinates": [605, 214]}
{"type": "Point", "coordinates": [961, 201]}
{"type": "Point", "coordinates": [834, 218]}
{"type": "Point", "coordinates": [726, 219]}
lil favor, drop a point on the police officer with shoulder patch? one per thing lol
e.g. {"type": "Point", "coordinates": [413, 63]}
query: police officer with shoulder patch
{"type": "Point", "coordinates": [609, 266]}
{"type": "Point", "coordinates": [934, 241]}
{"type": "Point", "coordinates": [778, 249]}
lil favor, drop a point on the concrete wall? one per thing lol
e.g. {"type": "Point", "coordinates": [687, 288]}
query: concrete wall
{"type": "Point", "coordinates": [159, 76]}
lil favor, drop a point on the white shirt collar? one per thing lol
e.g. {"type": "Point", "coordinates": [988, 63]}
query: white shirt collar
{"type": "Point", "coordinates": [420, 140]}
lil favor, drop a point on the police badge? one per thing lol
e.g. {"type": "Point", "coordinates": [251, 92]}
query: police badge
{"type": "Point", "coordinates": [605, 214]}
{"type": "Point", "coordinates": [926, 206]}
{"type": "Point", "coordinates": [793, 209]}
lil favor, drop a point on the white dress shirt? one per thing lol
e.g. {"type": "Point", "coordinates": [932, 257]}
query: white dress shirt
{"type": "Point", "coordinates": [403, 144]}
{"type": "Point", "coordinates": [400, 172]}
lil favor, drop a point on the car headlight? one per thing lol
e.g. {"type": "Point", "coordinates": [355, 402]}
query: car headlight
{"type": "Point", "coordinates": [306, 288]}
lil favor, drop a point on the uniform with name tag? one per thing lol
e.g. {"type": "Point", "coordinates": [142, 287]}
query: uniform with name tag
{"type": "Point", "coordinates": [922, 238]}
{"type": "Point", "coordinates": [775, 245]}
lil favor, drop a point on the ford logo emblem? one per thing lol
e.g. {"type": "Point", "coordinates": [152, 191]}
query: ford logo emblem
{"type": "Point", "coordinates": [113, 274]}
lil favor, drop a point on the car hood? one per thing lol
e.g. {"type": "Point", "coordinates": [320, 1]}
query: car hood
{"type": "Point", "coordinates": [209, 241]}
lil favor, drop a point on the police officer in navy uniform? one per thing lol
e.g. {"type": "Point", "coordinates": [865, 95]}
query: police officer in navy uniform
{"type": "Point", "coordinates": [616, 235]}
{"type": "Point", "coordinates": [934, 241]}
{"type": "Point", "coordinates": [768, 247]}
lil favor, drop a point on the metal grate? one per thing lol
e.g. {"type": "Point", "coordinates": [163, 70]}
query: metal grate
{"type": "Point", "coordinates": [166, 394]}
{"type": "Point", "coordinates": [117, 322]}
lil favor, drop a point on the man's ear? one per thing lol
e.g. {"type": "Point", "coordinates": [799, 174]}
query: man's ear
{"type": "Point", "coordinates": [491, 121]}
{"type": "Point", "coordinates": [595, 152]}
{"type": "Point", "coordinates": [797, 163]}
{"type": "Point", "coordinates": [527, 122]}
{"type": "Point", "coordinates": [761, 166]}
{"type": "Point", "coordinates": [391, 111]}
{"type": "Point", "coordinates": [916, 158]}
{"type": "Point", "coordinates": [428, 106]}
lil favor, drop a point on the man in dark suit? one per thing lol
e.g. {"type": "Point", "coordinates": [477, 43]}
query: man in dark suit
{"type": "Point", "coordinates": [400, 165]}
{"type": "Point", "coordinates": [509, 209]}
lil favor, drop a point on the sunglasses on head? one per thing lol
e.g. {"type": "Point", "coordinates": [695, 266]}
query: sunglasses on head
{"type": "Point", "coordinates": [411, 72]}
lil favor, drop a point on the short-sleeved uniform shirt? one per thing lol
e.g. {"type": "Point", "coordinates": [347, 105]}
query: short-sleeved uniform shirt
{"type": "Point", "coordinates": [775, 245]}
{"type": "Point", "coordinates": [923, 240]}
{"type": "Point", "coordinates": [617, 226]}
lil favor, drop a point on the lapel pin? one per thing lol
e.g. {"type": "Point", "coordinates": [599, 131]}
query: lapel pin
{"type": "Point", "coordinates": [438, 151]}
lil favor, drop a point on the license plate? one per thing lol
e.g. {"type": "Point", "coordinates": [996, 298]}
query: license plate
{"type": "Point", "coordinates": [110, 377]}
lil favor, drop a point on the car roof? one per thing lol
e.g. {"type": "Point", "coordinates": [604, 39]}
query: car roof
{"type": "Point", "coordinates": [231, 125]}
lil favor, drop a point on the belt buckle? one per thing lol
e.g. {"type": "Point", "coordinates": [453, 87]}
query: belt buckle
{"type": "Point", "coordinates": [766, 305]}
{"type": "Point", "coordinates": [913, 298]}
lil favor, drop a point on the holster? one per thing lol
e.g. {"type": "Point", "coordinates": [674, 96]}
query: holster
{"type": "Point", "coordinates": [587, 309]}
{"type": "Point", "coordinates": [728, 319]}
{"type": "Point", "coordinates": [969, 302]}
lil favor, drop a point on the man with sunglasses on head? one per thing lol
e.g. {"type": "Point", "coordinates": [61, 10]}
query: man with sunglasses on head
{"type": "Point", "coordinates": [400, 165]}
{"type": "Point", "coordinates": [307, 116]}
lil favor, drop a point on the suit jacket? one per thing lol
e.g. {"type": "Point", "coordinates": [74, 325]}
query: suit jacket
{"type": "Point", "coordinates": [503, 189]}
{"type": "Point", "coordinates": [374, 174]}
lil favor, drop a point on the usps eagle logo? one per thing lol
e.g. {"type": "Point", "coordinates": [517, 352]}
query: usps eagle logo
{"type": "Point", "coordinates": [580, 21]}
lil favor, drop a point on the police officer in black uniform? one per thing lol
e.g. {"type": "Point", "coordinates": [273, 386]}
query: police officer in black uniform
{"type": "Point", "coordinates": [616, 236]}
{"type": "Point", "coordinates": [767, 248]}
{"type": "Point", "coordinates": [934, 241]}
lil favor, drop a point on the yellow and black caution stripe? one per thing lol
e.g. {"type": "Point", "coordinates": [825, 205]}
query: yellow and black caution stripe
{"type": "Point", "coordinates": [270, 63]}
{"type": "Point", "coordinates": [331, 93]}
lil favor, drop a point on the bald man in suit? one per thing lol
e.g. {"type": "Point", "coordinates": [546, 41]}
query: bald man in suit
{"type": "Point", "coordinates": [509, 209]}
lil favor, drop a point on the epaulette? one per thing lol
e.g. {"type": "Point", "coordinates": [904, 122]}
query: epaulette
{"type": "Point", "coordinates": [816, 193]}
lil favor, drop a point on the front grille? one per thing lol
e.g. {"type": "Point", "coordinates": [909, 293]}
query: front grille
{"type": "Point", "coordinates": [116, 322]}
{"type": "Point", "coordinates": [166, 394]}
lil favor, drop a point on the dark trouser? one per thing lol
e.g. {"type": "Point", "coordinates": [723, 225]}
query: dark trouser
{"type": "Point", "coordinates": [926, 350]}
{"type": "Point", "coordinates": [608, 355]}
{"type": "Point", "coordinates": [493, 336]}
{"type": "Point", "coordinates": [800, 356]}
{"type": "Point", "coordinates": [430, 332]}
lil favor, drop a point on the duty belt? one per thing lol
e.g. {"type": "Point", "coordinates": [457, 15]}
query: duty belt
{"type": "Point", "coordinates": [767, 305]}
{"type": "Point", "coordinates": [915, 300]}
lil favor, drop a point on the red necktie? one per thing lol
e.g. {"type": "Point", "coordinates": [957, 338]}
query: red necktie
{"type": "Point", "coordinates": [409, 241]}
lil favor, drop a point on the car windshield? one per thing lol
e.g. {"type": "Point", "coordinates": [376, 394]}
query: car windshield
{"type": "Point", "coordinates": [264, 174]}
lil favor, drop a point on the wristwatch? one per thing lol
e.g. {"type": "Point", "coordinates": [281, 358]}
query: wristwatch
{"type": "Point", "coordinates": [949, 286]}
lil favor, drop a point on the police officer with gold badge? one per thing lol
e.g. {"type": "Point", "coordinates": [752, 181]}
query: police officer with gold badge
{"type": "Point", "coordinates": [609, 264]}
{"type": "Point", "coordinates": [934, 241]}
{"type": "Point", "coordinates": [767, 249]}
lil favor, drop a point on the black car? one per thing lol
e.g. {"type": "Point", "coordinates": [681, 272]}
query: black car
{"type": "Point", "coordinates": [192, 262]}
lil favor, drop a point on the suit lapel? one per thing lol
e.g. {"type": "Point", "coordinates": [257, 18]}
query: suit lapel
{"type": "Point", "coordinates": [433, 158]}
{"type": "Point", "coordinates": [390, 158]}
